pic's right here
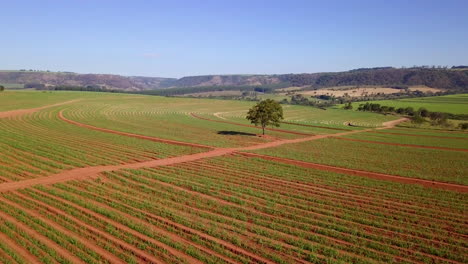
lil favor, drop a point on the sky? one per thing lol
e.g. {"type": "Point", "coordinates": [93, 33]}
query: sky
{"type": "Point", "coordinates": [184, 38]}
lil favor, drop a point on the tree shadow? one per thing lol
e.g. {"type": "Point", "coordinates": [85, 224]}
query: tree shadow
{"type": "Point", "coordinates": [235, 133]}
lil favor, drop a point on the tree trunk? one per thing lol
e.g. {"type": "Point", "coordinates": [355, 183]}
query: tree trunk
{"type": "Point", "coordinates": [263, 127]}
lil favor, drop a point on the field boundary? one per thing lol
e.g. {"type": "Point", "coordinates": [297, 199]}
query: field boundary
{"type": "Point", "coordinates": [155, 139]}
{"type": "Point", "coordinates": [94, 171]}
{"type": "Point", "coordinates": [401, 145]}
{"type": "Point", "coordinates": [415, 135]}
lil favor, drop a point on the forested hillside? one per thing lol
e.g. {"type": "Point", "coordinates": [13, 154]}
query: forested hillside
{"type": "Point", "coordinates": [455, 78]}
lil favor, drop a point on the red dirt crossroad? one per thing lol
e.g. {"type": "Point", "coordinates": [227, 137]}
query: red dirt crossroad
{"type": "Point", "coordinates": [93, 172]}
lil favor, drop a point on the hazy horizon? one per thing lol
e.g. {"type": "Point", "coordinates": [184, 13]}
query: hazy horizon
{"type": "Point", "coordinates": [185, 38]}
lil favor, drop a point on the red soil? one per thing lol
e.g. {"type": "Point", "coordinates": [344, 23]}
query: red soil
{"type": "Point", "coordinates": [142, 254]}
{"type": "Point", "coordinates": [402, 145]}
{"type": "Point", "coordinates": [415, 135]}
{"type": "Point", "coordinates": [438, 130]}
{"type": "Point", "coordinates": [24, 253]}
{"type": "Point", "coordinates": [374, 175]}
{"type": "Point", "coordinates": [324, 127]}
{"type": "Point", "coordinates": [31, 110]}
{"type": "Point", "coordinates": [168, 141]}
{"type": "Point", "coordinates": [91, 245]}
{"type": "Point", "coordinates": [175, 225]}
{"type": "Point", "coordinates": [92, 172]}
{"type": "Point", "coordinates": [45, 240]}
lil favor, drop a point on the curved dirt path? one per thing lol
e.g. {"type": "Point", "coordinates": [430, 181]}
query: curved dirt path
{"type": "Point", "coordinates": [32, 110]}
{"type": "Point", "coordinates": [93, 172]}
{"type": "Point", "coordinates": [402, 145]}
{"type": "Point", "coordinates": [218, 115]}
{"type": "Point", "coordinates": [168, 141]}
{"type": "Point", "coordinates": [393, 123]}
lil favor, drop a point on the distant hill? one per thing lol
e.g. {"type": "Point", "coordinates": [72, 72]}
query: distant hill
{"type": "Point", "coordinates": [450, 79]}
{"type": "Point", "coordinates": [110, 81]}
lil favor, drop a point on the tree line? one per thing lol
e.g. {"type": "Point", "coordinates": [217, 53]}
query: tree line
{"type": "Point", "coordinates": [418, 116]}
{"type": "Point", "coordinates": [431, 77]}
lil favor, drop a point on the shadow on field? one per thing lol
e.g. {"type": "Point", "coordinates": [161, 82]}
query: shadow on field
{"type": "Point", "coordinates": [234, 133]}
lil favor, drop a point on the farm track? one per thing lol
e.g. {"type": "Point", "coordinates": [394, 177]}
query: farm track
{"type": "Point", "coordinates": [78, 195]}
{"type": "Point", "coordinates": [20, 112]}
{"type": "Point", "coordinates": [401, 145]}
{"type": "Point", "coordinates": [168, 141]}
{"type": "Point", "coordinates": [93, 171]}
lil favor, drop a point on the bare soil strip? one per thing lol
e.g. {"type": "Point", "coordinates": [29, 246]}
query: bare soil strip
{"type": "Point", "coordinates": [374, 175]}
{"type": "Point", "coordinates": [19, 112]}
{"type": "Point", "coordinates": [435, 130]}
{"type": "Point", "coordinates": [415, 135]}
{"type": "Point", "coordinates": [244, 125]}
{"type": "Point", "coordinates": [393, 123]}
{"type": "Point", "coordinates": [402, 145]}
{"type": "Point", "coordinates": [130, 134]}
{"type": "Point", "coordinates": [93, 172]}
{"type": "Point", "coordinates": [324, 127]}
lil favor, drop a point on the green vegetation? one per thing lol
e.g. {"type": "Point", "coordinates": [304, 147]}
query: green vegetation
{"type": "Point", "coordinates": [453, 104]}
{"type": "Point", "coordinates": [222, 206]}
{"type": "Point", "coordinates": [313, 216]}
{"type": "Point", "coordinates": [449, 166]}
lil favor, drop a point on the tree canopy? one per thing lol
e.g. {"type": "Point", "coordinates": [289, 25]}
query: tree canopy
{"type": "Point", "coordinates": [265, 113]}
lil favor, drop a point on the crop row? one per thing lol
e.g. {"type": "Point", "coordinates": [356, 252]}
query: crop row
{"type": "Point", "coordinates": [150, 120]}
{"type": "Point", "coordinates": [236, 209]}
{"type": "Point", "coordinates": [430, 164]}
{"type": "Point", "coordinates": [451, 142]}
{"type": "Point", "coordinates": [39, 144]}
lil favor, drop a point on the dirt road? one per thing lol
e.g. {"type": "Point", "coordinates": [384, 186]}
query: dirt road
{"type": "Point", "coordinates": [93, 172]}
{"type": "Point", "coordinates": [19, 112]}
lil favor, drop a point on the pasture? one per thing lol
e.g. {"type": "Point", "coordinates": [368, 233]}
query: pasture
{"type": "Point", "coordinates": [116, 178]}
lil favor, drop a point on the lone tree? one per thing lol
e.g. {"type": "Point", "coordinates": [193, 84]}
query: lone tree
{"type": "Point", "coordinates": [267, 112]}
{"type": "Point", "coordinates": [2, 88]}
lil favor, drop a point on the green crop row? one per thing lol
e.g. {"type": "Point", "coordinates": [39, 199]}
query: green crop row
{"type": "Point", "coordinates": [430, 164]}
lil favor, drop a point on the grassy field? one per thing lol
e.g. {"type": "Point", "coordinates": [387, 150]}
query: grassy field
{"type": "Point", "coordinates": [11, 100]}
{"type": "Point", "coordinates": [126, 179]}
{"type": "Point", "coordinates": [455, 104]}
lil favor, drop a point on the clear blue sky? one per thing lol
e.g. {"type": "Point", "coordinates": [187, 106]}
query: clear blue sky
{"type": "Point", "coordinates": [180, 38]}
